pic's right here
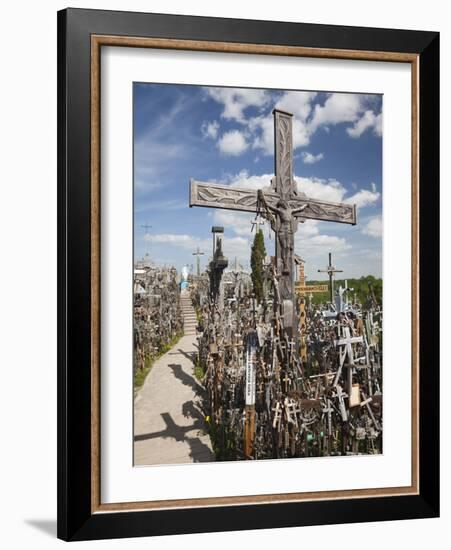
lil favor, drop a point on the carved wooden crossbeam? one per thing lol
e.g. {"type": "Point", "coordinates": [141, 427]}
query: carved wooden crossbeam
{"type": "Point", "coordinates": [213, 195]}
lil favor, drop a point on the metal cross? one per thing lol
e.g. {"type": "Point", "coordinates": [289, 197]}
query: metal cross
{"type": "Point", "coordinates": [146, 228]}
{"type": "Point", "coordinates": [282, 203]}
{"type": "Point", "coordinates": [331, 270]}
{"type": "Point", "coordinates": [197, 254]}
{"type": "Point", "coordinates": [346, 351]}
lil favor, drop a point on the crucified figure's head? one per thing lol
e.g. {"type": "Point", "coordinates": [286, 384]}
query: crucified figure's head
{"type": "Point", "coordinates": [283, 204]}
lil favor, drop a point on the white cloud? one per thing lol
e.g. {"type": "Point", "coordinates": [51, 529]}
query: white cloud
{"type": "Point", "coordinates": [368, 120]}
{"type": "Point", "coordinates": [374, 227]}
{"type": "Point", "coordinates": [318, 245]}
{"type": "Point", "coordinates": [262, 126]}
{"type": "Point", "coordinates": [363, 198]}
{"type": "Point", "coordinates": [210, 129]}
{"type": "Point", "coordinates": [244, 179]}
{"type": "Point", "coordinates": [236, 100]}
{"type": "Point", "coordinates": [307, 118]}
{"type": "Point", "coordinates": [316, 188]}
{"type": "Point", "coordinates": [171, 238]}
{"type": "Point", "coordinates": [232, 246]}
{"type": "Point", "coordinates": [321, 189]}
{"type": "Point", "coordinates": [309, 158]}
{"type": "Point", "coordinates": [298, 103]}
{"type": "Point", "coordinates": [337, 108]}
{"type": "Point", "coordinates": [341, 107]}
{"type": "Point", "coordinates": [308, 229]}
{"type": "Point", "coordinates": [238, 222]}
{"type": "Point", "coordinates": [233, 143]}
{"type": "Point", "coordinates": [310, 241]}
{"type": "Point", "coordinates": [262, 130]}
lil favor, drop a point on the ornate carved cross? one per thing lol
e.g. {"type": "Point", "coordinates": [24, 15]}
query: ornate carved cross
{"type": "Point", "coordinates": [280, 202]}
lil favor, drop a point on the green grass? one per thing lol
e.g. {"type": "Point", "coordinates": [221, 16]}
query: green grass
{"type": "Point", "coordinates": [199, 316]}
{"type": "Point", "coordinates": [199, 371]}
{"type": "Point", "coordinates": [141, 374]}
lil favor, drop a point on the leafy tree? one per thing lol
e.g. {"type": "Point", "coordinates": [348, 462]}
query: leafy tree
{"type": "Point", "coordinates": [361, 288]}
{"type": "Point", "coordinates": [258, 255]}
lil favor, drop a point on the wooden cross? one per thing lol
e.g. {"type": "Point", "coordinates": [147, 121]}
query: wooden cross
{"type": "Point", "coordinates": [346, 351]}
{"type": "Point", "coordinates": [198, 254]}
{"type": "Point", "coordinates": [287, 381]}
{"type": "Point", "coordinates": [331, 270]}
{"type": "Point", "coordinates": [146, 228]}
{"type": "Point", "coordinates": [302, 290]}
{"type": "Point", "coordinates": [300, 263]}
{"type": "Point", "coordinates": [346, 341]}
{"type": "Point", "coordinates": [257, 223]}
{"type": "Point", "coordinates": [283, 204]}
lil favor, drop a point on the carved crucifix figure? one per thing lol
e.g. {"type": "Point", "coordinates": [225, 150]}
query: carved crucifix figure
{"type": "Point", "coordinates": [286, 228]}
{"type": "Point", "coordinates": [284, 205]}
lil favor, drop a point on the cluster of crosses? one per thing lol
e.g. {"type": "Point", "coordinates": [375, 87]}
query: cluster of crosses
{"type": "Point", "coordinates": [157, 318]}
{"type": "Point", "coordinates": [265, 376]}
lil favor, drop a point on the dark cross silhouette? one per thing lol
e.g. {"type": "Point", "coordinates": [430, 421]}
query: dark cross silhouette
{"type": "Point", "coordinates": [217, 265]}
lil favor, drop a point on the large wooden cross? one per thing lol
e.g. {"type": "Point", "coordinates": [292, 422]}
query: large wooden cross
{"type": "Point", "coordinates": [282, 203]}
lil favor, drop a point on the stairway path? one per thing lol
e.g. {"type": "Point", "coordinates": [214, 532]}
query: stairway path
{"type": "Point", "coordinates": [169, 426]}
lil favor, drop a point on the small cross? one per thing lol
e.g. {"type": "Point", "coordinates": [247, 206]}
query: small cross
{"type": "Point", "coordinates": [330, 270]}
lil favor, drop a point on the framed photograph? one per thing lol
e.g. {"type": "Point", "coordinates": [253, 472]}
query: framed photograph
{"type": "Point", "coordinates": [248, 274]}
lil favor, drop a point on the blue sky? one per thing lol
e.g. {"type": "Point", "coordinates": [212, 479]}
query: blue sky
{"type": "Point", "coordinates": [225, 135]}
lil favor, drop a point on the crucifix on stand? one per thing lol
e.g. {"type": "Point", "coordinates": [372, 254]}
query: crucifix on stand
{"type": "Point", "coordinates": [331, 270]}
{"type": "Point", "coordinates": [198, 254]}
{"type": "Point", "coordinates": [283, 205]}
{"type": "Point", "coordinates": [146, 228]}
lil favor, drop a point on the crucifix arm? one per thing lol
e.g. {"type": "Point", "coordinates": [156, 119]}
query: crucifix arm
{"type": "Point", "coordinates": [300, 209]}
{"type": "Point", "coordinates": [324, 210]}
{"type": "Point", "coordinates": [212, 195]}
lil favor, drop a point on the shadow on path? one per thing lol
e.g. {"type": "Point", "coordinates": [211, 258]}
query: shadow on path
{"type": "Point", "coordinates": [191, 355]}
{"type": "Point", "coordinates": [200, 452]}
{"type": "Point", "coordinates": [186, 379]}
{"type": "Point", "coordinates": [172, 429]}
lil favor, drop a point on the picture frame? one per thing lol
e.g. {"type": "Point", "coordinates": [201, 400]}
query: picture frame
{"type": "Point", "coordinates": [81, 36]}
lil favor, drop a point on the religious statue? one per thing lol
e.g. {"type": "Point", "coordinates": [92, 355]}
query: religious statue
{"type": "Point", "coordinates": [285, 225]}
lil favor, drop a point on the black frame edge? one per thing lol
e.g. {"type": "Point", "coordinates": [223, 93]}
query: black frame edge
{"type": "Point", "coordinates": [429, 178]}
{"type": "Point", "coordinates": [61, 278]}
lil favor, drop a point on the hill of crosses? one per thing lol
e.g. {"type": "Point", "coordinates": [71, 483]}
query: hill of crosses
{"type": "Point", "coordinates": [284, 368]}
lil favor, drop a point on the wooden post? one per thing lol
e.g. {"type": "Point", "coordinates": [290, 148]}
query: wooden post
{"type": "Point", "coordinates": [302, 326]}
{"type": "Point", "coordinates": [249, 431]}
{"type": "Point", "coordinates": [249, 416]}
